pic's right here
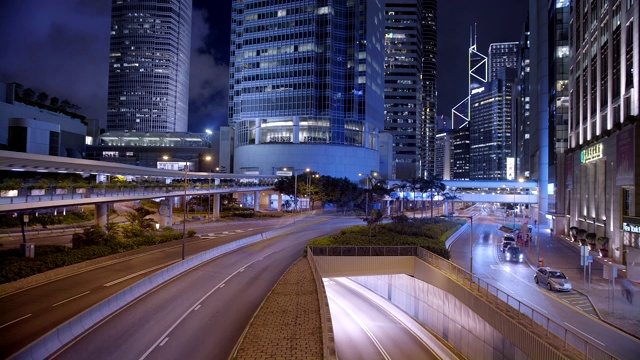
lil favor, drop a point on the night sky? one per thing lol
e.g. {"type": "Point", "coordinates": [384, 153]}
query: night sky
{"type": "Point", "coordinates": [61, 47]}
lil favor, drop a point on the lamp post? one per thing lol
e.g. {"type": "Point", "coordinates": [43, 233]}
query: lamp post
{"type": "Point", "coordinates": [186, 186]}
{"type": "Point", "coordinates": [209, 198]}
{"type": "Point", "coordinates": [366, 200]}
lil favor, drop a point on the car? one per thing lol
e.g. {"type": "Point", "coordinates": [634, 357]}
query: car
{"type": "Point", "coordinates": [513, 253]}
{"type": "Point", "coordinates": [553, 279]}
{"type": "Point", "coordinates": [507, 241]}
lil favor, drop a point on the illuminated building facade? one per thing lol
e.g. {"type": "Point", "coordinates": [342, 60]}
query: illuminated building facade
{"type": "Point", "coordinates": [306, 85]}
{"type": "Point", "coordinates": [149, 57]}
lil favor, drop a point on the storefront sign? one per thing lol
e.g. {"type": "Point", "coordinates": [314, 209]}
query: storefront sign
{"type": "Point", "coordinates": [591, 153]}
{"type": "Point", "coordinates": [631, 224]}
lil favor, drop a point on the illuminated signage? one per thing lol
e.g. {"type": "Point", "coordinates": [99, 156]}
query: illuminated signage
{"type": "Point", "coordinates": [511, 168]}
{"type": "Point", "coordinates": [591, 153]}
{"type": "Point", "coordinates": [631, 228]}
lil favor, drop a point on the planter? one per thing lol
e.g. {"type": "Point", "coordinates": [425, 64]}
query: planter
{"type": "Point", "coordinates": [604, 253]}
{"type": "Point", "coordinates": [592, 246]}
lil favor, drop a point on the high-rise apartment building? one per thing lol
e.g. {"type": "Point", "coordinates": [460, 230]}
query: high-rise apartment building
{"type": "Point", "coordinates": [149, 65]}
{"type": "Point", "coordinates": [306, 87]}
{"type": "Point", "coordinates": [403, 86]}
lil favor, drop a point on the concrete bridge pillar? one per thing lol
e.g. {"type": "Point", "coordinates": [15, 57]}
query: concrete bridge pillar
{"type": "Point", "coordinates": [166, 212]}
{"type": "Point", "coordinates": [256, 201]}
{"type": "Point", "coordinates": [102, 215]}
{"type": "Point", "coordinates": [216, 206]}
{"type": "Point", "coordinates": [279, 202]}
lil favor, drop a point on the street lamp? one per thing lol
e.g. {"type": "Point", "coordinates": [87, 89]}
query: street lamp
{"type": "Point", "coordinates": [186, 185]}
{"type": "Point", "coordinates": [366, 200]}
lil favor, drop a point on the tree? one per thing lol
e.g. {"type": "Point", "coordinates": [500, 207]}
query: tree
{"type": "Point", "coordinates": [414, 185]}
{"type": "Point", "coordinates": [42, 97]}
{"type": "Point", "coordinates": [433, 183]}
{"type": "Point", "coordinates": [54, 101]}
{"type": "Point", "coordinates": [28, 93]}
{"type": "Point", "coordinates": [65, 104]}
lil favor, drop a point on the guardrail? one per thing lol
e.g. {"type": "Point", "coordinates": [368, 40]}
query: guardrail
{"type": "Point", "coordinates": [328, 337]}
{"type": "Point", "coordinates": [553, 330]}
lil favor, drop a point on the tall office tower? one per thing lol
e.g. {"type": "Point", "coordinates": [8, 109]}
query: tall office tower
{"type": "Point", "coordinates": [598, 176]}
{"type": "Point", "coordinates": [149, 65]}
{"type": "Point", "coordinates": [490, 127]}
{"type": "Point", "coordinates": [461, 113]}
{"type": "Point", "coordinates": [501, 56]}
{"type": "Point", "coordinates": [460, 149]}
{"type": "Point", "coordinates": [306, 86]}
{"type": "Point", "coordinates": [429, 89]}
{"type": "Point", "coordinates": [403, 85]}
{"type": "Point", "coordinates": [522, 109]}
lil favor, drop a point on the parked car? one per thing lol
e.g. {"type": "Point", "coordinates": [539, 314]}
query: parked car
{"type": "Point", "coordinates": [507, 241]}
{"type": "Point", "coordinates": [553, 279]}
{"type": "Point", "coordinates": [513, 253]}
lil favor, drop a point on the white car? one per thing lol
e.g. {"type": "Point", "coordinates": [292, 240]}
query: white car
{"type": "Point", "coordinates": [553, 279]}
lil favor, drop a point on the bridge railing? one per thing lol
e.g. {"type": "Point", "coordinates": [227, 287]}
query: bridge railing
{"type": "Point", "coordinates": [551, 329]}
{"type": "Point", "coordinates": [24, 195]}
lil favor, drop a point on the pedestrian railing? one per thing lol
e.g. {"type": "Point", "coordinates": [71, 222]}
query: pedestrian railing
{"type": "Point", "coordinates": [554, 331]}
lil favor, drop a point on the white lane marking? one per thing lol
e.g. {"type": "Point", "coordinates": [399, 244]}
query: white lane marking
{"type": "Point", "coordinates": [71, 298]}
{"type": "Point", "coordinates": [197, 307]}
{"type": "Point", "coordinates": [221, 284]}
{"type": "Point", "coordinates": [11, 322]}
{"type": "Point", "coordinates": [139, 273]}
{"type": "Point", "coordinates": [363, 326]}
{"type": "Point", "coordinates": [576, 329]}
{"type": "Point", "coordinates": [164, 341]}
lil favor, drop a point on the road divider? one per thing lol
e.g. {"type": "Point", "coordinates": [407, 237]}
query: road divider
{"type": "Point", "coordinates": [63, 334]}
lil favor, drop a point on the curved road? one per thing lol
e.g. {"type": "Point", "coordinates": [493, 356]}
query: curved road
{"type": "Point", "coordinates": [516, 279]}
{"type": "Point", "coordinates": [202, 313]}
{"type": "Point", "coordinates": [28, 314]}
{"type": "Point", "coordinates": [364, 329]}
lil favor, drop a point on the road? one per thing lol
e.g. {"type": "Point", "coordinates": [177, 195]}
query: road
{"type": "Point", "coordinates": [365, 329]}
{"type": "Point", "coordinates": [516, 279]}
{"type": "Point", "coordinates": [26, 315]}
{"type": "Point", "coordinates": [203, 312]}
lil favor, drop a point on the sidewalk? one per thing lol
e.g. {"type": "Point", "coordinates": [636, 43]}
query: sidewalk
{"type": "Point", "coordinates": [610, 304]}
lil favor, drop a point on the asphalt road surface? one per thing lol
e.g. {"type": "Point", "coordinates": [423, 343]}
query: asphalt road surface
{"type": "Point", "coordinates": [202, 313]}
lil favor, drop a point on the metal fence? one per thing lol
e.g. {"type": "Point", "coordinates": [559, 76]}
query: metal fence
{"type": "Point", "coordinates": [554, 331]}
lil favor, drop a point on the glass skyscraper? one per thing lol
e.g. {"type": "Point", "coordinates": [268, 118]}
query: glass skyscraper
{"type": "Point", "coordinates": [306, 85]}
{"type": "Point", "coordinates": [149, 65]}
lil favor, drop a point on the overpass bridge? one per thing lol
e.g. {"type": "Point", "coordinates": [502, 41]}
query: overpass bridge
{"type": "Point", "coordinates": [208, 183]}
{"type": "Point", "coordinates": [477, 191]}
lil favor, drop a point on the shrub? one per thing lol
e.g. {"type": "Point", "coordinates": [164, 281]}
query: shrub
{"type": "Point", "coordinates": [191, 233]}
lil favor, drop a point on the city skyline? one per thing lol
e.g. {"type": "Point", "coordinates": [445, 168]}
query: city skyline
{"type": "Point", "coordinates": [43, 58]}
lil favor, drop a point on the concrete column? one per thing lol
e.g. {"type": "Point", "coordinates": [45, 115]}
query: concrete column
{"type": "Point", "coordinates": [216, 206]}
{"type": "Point", "coordinates": [279, 202]}
{"type": "Point", "coordinates": [102, 215]}
{"type": "Point", "coordinates": [258, 131]}
{"type": "Point", "coordinates": [166, 212]}
{"type": "Point", "coordinates": [256, 201]}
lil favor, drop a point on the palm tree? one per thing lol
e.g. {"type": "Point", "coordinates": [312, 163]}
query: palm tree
{"type": "Point", "coordinates": [414, 185]}
{"type": "Point", "coordinates": [433, 183]}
